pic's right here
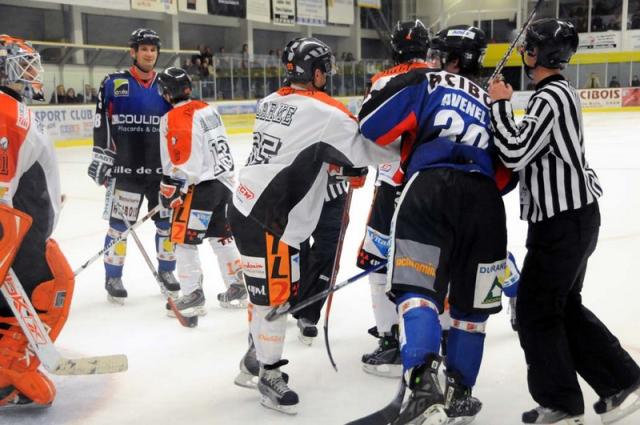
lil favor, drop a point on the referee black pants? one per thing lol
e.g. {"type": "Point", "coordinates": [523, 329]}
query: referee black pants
{"type": "Point", "coordinates": [558, 334]}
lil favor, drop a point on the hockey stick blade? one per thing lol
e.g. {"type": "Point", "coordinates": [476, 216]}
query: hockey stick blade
{"type": "Point", "coordinates": [91, 365]}
{"type": "Point", "coordinates": [283, 309]}
{"type": "Point", "coordinates": [186, 321]}
{"type": "Point", "coordinates": [387, 414]}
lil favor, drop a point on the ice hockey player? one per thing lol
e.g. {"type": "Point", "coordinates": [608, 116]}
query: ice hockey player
{"type": "Point", "coordinates": [30, 183]}
{"type": "Point", "coordinates": [197, 184]}
{"type": "Point", "coordinates": [449, 233]}
{"type": "Point", "coordinates": [410, 44]}
{"type": "Point", "coordinates": [561, 338]}
{"type": "Point", "coordinates": [126, 158]}
{"type": "Point", "coordinates": [298, 131]}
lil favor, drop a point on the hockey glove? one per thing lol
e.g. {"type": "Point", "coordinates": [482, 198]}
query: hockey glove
{"type": "Point", "coordinates": [171, 195]}
{"type": "Point", "coordinates": [101, 165]}
{"type": "Point", "coordinates": [356, 175]}
{"type": "Point", "coordinates": [512, 277]}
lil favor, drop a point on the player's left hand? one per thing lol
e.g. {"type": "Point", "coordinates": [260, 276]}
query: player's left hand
{"type": "Point", "coordinates": [171, 195]}
{"type": "Point", "coordinates": [500, 90]}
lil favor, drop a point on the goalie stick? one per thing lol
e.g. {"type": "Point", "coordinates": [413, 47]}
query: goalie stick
{"type": "Point", "coordinates": [40, 343]}
{"type": "Point", "coordinates": [115, 241]}
{"type": "Point", "coordinates": [286, 307]}
{"type": "Point", "coordinates": [188, 322]}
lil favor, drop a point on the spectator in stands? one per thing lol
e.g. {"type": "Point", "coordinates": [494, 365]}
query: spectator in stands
{"type": "Point", "coordinates": [71, 96]}
{"type": "Point", "coordinates": [614, 82]}
{"type": "Point", "coordinates": [350, 57]}
{"type": "Point", "coordinates": [89, 95]}
{"type": "Point", "coordinates": [593, 82]}
{"type": "Point", "coordinates": [204, 69]}
{"type": "Point", "coordinates": [208, 54]}
{"type": "Point", "coordinates": [635, 81]}
{"type": "Point", "coordinates": [59, 96]}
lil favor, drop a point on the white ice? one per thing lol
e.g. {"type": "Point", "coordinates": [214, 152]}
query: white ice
{"type": "Point", "coordinates": [185, 376]}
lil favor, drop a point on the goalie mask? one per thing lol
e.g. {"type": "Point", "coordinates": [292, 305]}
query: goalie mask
{"type": "Point", "coordinates": [20, 67]}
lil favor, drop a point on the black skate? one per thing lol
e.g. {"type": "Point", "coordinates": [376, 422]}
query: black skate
{"type": "Point", "coordinates": [250, 369]}
{"type": "Point", "coordinates": [115, 290]}
{"type": "Point", "coordinates": [12, 399]}
{"type": "Point", "coordinates": [426, 402]}
{"type": "Point", "coordinates": [234, 297]}
{"type": "Point", "coordinates": [385, 360]}
{"type": "Point", "coordinates": [189, 305]}
{"type": "Point", "coordinates": [610, 408]}
{"type": "Point", "coordinates": [170, 283]}
{"type": "Point", "coordinates": [545, 415]}
{"type": "Point", "coordinates": [308, 331]}
{"type": "Point", "coordinates": [512, 310]}
{"type": "Point", "coordinates": [460, 406]}
{"type": "Point", "coordinates": [274, 392]}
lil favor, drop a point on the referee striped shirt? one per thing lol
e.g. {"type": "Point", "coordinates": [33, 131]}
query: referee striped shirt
{"type": "Point", "coordinates": [547, 150]}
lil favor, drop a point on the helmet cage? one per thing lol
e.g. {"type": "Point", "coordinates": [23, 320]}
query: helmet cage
{"type": "Point", "coordinates": [20, 63]}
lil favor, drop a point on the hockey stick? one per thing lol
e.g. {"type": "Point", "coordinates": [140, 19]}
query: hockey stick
{"type": "Point", "coordinates": [283, 309]}
{"type": "Point", "coordinates": [334, 273]}
{"type": "Point", "coordinates": [188, 322]}
{"type": "Point", "coordinates": [387, 414]}
{"type": "Point", "coordinates": [115, 241]}
{"type": "Point", "coordinates": [504, 59]}
{"type": "Point", "coordinates": [40, 342]}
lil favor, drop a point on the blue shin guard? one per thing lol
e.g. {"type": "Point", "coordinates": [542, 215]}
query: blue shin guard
{"type": "Point", "coordinates": [165, 249]}
{"type": "Point", "coordinates": [466, 345]}
{"type": "Point", "coordinates": [419, 329]}
{"type": "Point", "coordinates": [115, 256]}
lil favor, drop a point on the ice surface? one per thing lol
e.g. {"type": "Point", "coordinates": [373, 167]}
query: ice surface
{"type": "Point", "coordinates": [185, 376]}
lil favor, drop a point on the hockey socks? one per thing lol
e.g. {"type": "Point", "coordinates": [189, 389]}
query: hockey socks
{"type": "Point", "coordinates": [384, 310]}
{"type": "Point", "coordinates": [466, 345]}
{"type": "Point", "coordinates": [165, 249]}
{"type": "Point", "coordinates": [114, 257]}
{"type": "Point", "coordinates": [419, 329]}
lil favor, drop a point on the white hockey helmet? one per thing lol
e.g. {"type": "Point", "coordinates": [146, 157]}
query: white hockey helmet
{"type": "Point", "coordinates": [20, 65]}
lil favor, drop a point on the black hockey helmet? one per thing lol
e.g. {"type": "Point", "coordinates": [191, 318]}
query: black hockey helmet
{"type": "Point", "coordinates": [555, 40]}
{"type": "Point", "coordinates": [302, 56]}
{"type": "Point", "coordinates": [436, 46]}
{"type": "Point", "coordinates": [409, 40]}
{"type": "Point", "coordinates": [144, 36]}
{"type": "Point", "coordinates": [176, 83]}
{"type": "Point", "coordinates": [467, 44]}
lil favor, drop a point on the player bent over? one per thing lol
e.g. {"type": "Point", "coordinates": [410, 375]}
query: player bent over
{"type": "Point", "coordinates": [126, 158]}
{"type": "Point", "coordinates": [197, 181]}
{"type": "Point", "coordinates": [449, 231]}
{"type": "Point", "coordinates": [278, 202]}
{"type": "Point", "coordinates": [30, 183]}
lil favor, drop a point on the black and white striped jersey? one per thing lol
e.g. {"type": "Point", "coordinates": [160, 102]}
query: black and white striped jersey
{"type": "Point", "coordinates": [547, 149]}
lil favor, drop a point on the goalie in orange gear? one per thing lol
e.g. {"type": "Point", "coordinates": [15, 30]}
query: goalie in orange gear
{"type": "Point", "coordinates": [30, 183]}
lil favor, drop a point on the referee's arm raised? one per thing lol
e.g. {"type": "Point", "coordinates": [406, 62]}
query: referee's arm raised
{"type": "Point", "coordinates": [518, 145]}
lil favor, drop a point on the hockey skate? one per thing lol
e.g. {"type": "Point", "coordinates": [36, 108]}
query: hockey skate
{"type": "Point", "coordinates": [250, 369]}
{"type": "Point", "coordinates": [274, 390]}
{"type": "Point", "coordinates": [190, 305]}
{"type": "Point", "coordinates": [308, 331]}
{"type": "Point", "coordinates": [460, 406]}
{"type": "Point", "coordinates": [234, 297]}
{"type": "Point", "coordinates": [544, 415]}
{"type": "Point", "coordinates": [12, 399]}
{"type": "Point", "coordinates": [623, 403]}
{"type": "Point", "coordinates": [385, 360]}
{"type": "Point", "coordinates": [170, 283]}
{"type": "Point", "coordinates": [426, 402]}
{"type": "Point", "coordinates": [115, 290]}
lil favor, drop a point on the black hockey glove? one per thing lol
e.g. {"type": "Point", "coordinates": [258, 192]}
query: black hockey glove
{"type": "Point", "coordinates": [101, 165]}
{"type": "Point", "coordinates": [171, 195]}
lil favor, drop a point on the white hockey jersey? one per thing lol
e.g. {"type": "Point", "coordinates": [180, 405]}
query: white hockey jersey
{"type": "Point", "coordinates": [194, 145]}
{"type": "Point", "coordinates": [297, 133]}
{"type": "Point", "coordinates": [29, 176]}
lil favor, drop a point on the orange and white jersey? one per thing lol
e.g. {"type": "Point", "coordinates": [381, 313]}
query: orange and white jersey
{"type": "Point", "coordinates": [194, 145]}
{"type": "Point", "coordinates": [297, 133]}
{"type": "Point", "coordinates": [391, 173]}
{"type": "Point", "coordinates": [29, 176]}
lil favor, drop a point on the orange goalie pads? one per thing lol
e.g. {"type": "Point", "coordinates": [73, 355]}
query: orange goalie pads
{"type": "Point", "coordinates": [14, 225]}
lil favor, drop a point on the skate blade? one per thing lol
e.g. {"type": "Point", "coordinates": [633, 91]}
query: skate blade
{"type": "Point", "coordinates": [11, 407]}
{"type": "Point", "coordinates": [306, 340]}
{"type": "Point", "coordinates": [115, 300]}
{"type": "Point", "coordinates": [630, 405]}
{"type": "Point", "coordinates": [234, 305]}
{"type": "Point", "coordinates": [287, 410]}
{"type": "Point", "coordinates": [190, 312]}
{"type": "Point", "coordinates": [461, 420]}
{"type": "Point", "coordinates": [434, 415]}
{"type": "Point", "coordinates": [385, 370]}
{"type": "Point", "coordinates": [246, 380]}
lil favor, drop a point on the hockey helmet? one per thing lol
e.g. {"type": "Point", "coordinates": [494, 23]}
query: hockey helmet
{"type": "Point", "coordinates": [20, 64]}
{"type": "Point", "coordinates": [436, 46]}
{"type": "Point", "coordinates": [144, 36]}
{"type": "Point", "coordinates": [467, 44]}
{"type": "Point", "coordinates": [409, 40]}
{"type": "Point", "coordinates": [555, 40]}
{"type": "Point", "coordinates": [302, 56]}
{"type": "Point", "coordinates": [176, 83]}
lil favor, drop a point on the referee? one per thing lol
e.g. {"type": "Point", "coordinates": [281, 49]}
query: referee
{"type": "Point", "coordinates": [558, 195]}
